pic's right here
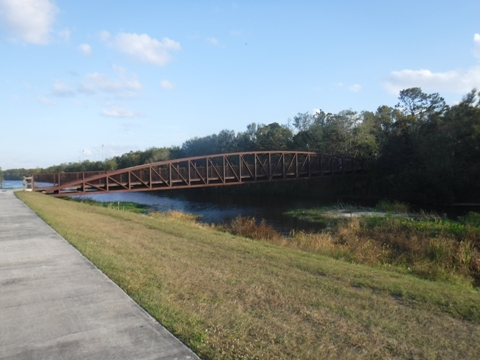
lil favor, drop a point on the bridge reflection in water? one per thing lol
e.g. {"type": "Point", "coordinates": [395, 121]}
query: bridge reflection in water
{"type": "Point", "coordinates": [201, 171]}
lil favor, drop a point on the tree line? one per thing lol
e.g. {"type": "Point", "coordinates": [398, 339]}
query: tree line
{"type": "Point", "coordinates": [420, 150]}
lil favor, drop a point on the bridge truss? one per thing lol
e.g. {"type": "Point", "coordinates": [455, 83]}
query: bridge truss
{"type": "Point", "coordinates": [201, 171]}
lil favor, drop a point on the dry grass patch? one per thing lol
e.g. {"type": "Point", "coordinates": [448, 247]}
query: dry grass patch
{"type": "Point", "coordinates": [228, 297]}
{"type": "Point", "coordinates": [422, 244]}
{"type": "Point", "coordinates": [173, 214]}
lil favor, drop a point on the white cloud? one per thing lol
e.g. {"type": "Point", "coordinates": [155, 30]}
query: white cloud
{"type": "Point", "coordinates": [62, 90]}
{"type": "Point", "coordinates": [99, 82]}
{"type": "Point", "coordinates": [128, 126]}
{"type": "Point", "coordinates": [85, 49]}
{"type": "Point", "coordinates": [125, 85]}
{"type": "Point", "coordinates": [46, 101]}
{"type": "Point", "coordinates": [104, 35]}
{"type": "Point", "coordinates": [476, 48]}
{"type": "Point", "coordinates": [214, 41]}
{"type": "Point", "coordinates": [29, 20]}
{"type": "Point", "coordinates": [64, 34]}
{"type": "Point", "coordinates": [144, 48]}
{"type": "Point", "coordinates": [460, 80]}
{"type": "Point", "coordinates": [167, 85]}
{"type": "Point", "coordinates": [117, 112]}
{"type": "Point", "coordinates": [355, 88]}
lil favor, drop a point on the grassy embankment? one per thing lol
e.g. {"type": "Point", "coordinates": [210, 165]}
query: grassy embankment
{"type": "Point", "coordinates": [421, 244]}
{"type": "Point", "coordinates": [230, 297]}
{"type": "Point", "coordinates": [118, 205]}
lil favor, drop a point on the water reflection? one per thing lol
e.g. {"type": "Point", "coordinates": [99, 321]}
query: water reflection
{"type": "Point", "coordinates": [18, 184]}
{"type": "Point", "coordinates": [12, 184]}
{"type": "Point", "coordinates": [218, 208]}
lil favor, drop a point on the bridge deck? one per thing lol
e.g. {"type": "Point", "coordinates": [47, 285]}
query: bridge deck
{"type": "Point", "coordinates": [203, 171]}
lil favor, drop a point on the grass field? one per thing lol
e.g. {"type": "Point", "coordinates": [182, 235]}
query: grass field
{"type": "Point", "coordinates": [228, 297]}
{"type": "Point", "coordinates": [422, 244]}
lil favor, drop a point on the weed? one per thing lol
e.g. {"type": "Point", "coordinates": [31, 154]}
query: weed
{"type": "Point", "coordinates": [115, 205]}
{"type": "Point", "coordinates": [176, 215]}
{"type": "Point", "coordinates": [247, 227]}
{"type": "Point", "coordinates": [472, 219]}
{"type": "Point", "coordinates": [392, 207]}
{"type": "Point", "coordinates": [423, 244]}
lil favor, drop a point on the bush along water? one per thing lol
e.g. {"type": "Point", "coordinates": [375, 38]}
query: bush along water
{"type": "Point", "coordinates": [422, 244]}
{"type": "Point", "coordinates": [390, 236]}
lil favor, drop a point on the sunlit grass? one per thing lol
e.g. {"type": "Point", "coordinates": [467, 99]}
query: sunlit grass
{"type": "Point", "coordinates": [422, 244]}
{"type": "Point", "coordinates": [228, 297]}
{"type": "Point", "coordinates": [178, 215]}
{"type": "Point", "coordinates": [118, 205]}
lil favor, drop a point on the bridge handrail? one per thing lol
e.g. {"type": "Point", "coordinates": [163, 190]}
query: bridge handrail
{"type": "Point", "coordinates": [109, 174]}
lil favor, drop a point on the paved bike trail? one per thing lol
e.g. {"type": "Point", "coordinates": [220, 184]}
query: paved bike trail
{"type": "Point", "coordinates": [55, 304]}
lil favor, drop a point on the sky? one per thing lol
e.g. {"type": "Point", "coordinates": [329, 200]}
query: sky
{"type": "Point", "coordinates": [89, 80]}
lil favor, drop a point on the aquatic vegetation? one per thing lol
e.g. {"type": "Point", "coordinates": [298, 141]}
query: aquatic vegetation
{"type": "Point", "coordinates": [118, 205]}
{"type": "Point", "coordinates": [420, 243]}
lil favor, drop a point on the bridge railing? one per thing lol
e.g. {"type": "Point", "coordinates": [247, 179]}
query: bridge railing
{"type": "Point", "coordinates": [211, 170]}
{"type": "Point", "coordinates": [58, 179]}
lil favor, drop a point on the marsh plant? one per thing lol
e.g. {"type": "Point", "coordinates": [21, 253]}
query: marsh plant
{"type": "Point", "coordinates": [432, 248]}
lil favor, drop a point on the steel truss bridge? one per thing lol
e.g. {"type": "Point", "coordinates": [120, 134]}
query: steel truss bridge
{"type": "Point", "coordinates": [201, 171]}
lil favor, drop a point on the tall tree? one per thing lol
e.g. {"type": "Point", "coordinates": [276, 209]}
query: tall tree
{"type": "Point", "coordinates": [419, 107]}
{"type": "Point", "coordinates": [273, 137]}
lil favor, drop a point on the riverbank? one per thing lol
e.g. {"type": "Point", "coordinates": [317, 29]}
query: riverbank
{"type": "Point", "coordinates": [229, 297]}
{"type": "Point", "coordinates": [424, 244]}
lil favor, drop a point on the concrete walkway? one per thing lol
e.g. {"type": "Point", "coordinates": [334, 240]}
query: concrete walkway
{"type": "Point", "coordinates": [55, 304]}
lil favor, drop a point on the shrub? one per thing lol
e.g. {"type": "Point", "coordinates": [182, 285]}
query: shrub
{"type": "Point", "coordinates": [393, 207]}
{"type": "Point", "coordinates": [435, 249]}
{"type": "Point", "coordinates": [472, 219]}
{"type": "Point", "coordinates": [247, 227]}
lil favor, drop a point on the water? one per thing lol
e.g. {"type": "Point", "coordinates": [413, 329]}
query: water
{"type": "Point", "coordinates": [218, 208]}
{"type": "Point", "coordinates": [18, 184]}
{"type": "Point", "coordinates": [12, 184]}
{"type": "Point", "coordinates": [221, 207]}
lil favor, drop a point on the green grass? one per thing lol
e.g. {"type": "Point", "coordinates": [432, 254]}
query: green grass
{"type": "Point", "coordinates": [421, 244]}
{"type": "Point", "coordinates": [433, 227]}
{"type": "Point", "coordinates": [392, 207]}
{"type": "Point", "coordinates": [118, 205]}
{"type": "Point", "coordinates": [314, 216]}
{"type": "Point", "coordinates": [228, 297]}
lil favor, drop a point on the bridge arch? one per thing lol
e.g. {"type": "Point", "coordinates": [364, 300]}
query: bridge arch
{"type": "Point", "coordinates": [201, 171]}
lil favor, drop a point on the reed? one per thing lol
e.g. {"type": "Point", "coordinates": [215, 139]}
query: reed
{"type": "Point", "coordinates": [435, 250]}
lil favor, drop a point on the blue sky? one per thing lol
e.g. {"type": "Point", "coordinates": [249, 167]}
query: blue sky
{"type": "Point", "coordinates": [94, 79]}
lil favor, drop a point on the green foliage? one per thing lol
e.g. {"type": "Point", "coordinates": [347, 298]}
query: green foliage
{"type": "Point", "coordinates": [472, 219]}
{"type": "Point", "coordinates": [116, 205]}
{"type": "Point", "coordinates": [420, 151]}
{"type": "Point", "coordinates": [422, 244]}
{"type": "Point", "coordinates": [427, 227]}
{"type": "Point", "coordinates": [418, 107]}
{"type": "Point", "coordinates": [394, 207]}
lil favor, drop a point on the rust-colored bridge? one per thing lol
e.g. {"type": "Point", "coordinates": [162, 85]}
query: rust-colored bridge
{"type": "Point", "coordinates": [201, 171]}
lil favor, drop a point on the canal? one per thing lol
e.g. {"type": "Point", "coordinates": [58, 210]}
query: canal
{"type": "Point", "coordinates": [219, 207]}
